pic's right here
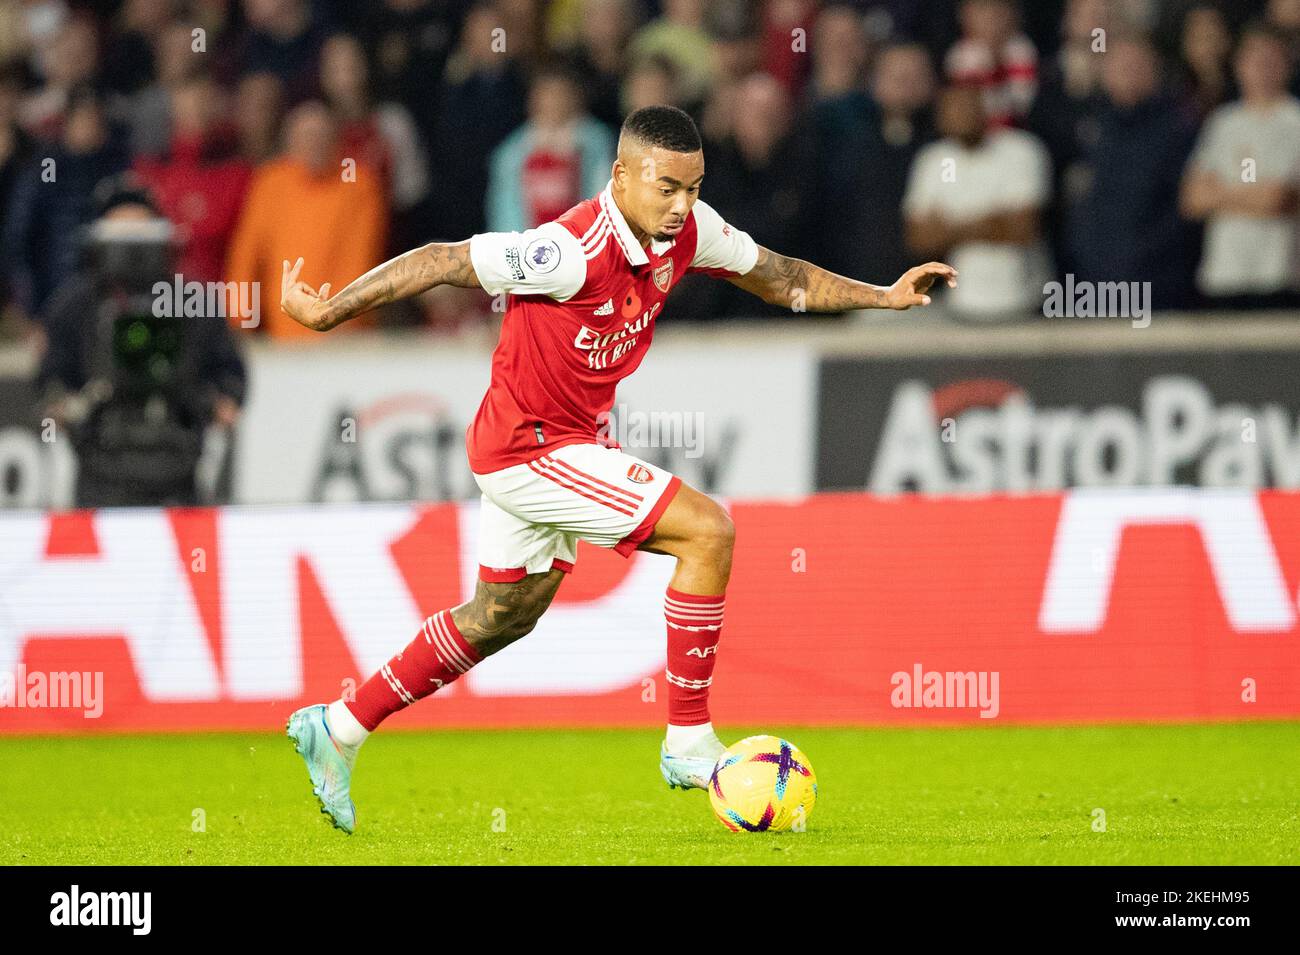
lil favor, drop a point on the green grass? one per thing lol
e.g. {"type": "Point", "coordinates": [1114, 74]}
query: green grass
{"type": "Point", "coordinates": [984, 795]}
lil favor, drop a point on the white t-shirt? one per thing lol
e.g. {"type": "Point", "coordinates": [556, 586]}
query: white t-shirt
{"type": "Point", "coordinates": [1009, 171]}
{"type": "Point", "coordinates": [1245, 254]}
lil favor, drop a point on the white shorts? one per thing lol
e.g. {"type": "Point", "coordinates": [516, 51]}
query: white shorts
{"type": "Point", "coordinates": [535, 513]}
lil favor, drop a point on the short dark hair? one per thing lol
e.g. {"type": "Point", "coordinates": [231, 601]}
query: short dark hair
{"type": "Point", "coordinates": [1263, 29]}
{"type": "Point", "coordinates": [665, 126]}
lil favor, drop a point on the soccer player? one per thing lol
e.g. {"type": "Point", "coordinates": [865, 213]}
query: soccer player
{"type": "Point", "coordinates": [584, 292]}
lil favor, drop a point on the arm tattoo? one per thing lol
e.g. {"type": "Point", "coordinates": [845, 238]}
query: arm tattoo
{"type": "Point", "coordinates": [802, 286]}
{"type": "Point", "coordinates": [438, 263]}
{"type": "Point", "coordinates": [499, 614]}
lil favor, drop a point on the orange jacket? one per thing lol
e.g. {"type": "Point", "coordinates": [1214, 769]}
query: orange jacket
{"type": "Point", "coordinates": [339, 228]}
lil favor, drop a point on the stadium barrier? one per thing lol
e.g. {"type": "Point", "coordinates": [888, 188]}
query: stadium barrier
{"type": "Point", "coordinates": [765, 410]}
{"type": "Point", "coordinates": [844, 609]}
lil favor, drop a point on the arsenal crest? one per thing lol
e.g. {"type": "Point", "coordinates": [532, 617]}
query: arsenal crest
{"type": "Point", "coordinates": [663, 275]}
{"type": "Point", "coordinates": [640, 474]}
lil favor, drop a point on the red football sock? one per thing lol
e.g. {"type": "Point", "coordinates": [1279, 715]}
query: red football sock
{"type": "Point", "coordinates": [694, 627]}
{"type": "Point", "coordinates": [436, 657]}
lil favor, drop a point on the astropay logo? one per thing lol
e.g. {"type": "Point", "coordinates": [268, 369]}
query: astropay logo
{"type": "Point", "coordinates": [75, 908]}
{"type": "Point", "coordinates": [988, 435]}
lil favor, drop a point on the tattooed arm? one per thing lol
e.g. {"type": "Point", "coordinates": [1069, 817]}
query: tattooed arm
{"type": "Point", "coordinates": [438, 263]}
{"type": "Point", "coordinates": [802, 286]}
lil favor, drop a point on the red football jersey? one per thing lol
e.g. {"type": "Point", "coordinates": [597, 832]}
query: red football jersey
{"type": "Point", "coordinates": [583, 298]}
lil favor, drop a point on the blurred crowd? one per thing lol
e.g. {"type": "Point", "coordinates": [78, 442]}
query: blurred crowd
{"type": "Point", "coordinates": [1108, 140]}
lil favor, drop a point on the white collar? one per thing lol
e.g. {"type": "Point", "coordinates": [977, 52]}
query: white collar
{"type": "Point", "coordinates": [622, 232]}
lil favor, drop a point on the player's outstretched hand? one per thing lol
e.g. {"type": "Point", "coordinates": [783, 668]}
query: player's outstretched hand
{"type": "Point", "coordinates": [301, 302]}
{"type": "Point", "coordinates": [911, 289]}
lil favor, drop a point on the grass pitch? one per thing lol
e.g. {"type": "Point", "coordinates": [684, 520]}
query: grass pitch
{"type": "Point", "coordinates": [1216, 794]}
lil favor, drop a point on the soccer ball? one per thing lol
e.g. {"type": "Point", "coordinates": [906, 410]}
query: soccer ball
{"type": "Point", "coordinates": [761, 784]}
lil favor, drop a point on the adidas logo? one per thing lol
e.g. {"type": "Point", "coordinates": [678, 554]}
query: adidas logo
{"type": "Point", "coordinates": [606, 309]}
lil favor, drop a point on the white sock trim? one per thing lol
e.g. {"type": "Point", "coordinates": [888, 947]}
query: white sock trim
{"type": "Point", "coordinates": [681, 738]}
{"type": "Point", "coordinates": [347, 729]}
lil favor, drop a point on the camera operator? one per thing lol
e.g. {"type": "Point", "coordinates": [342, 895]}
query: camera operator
{"type": "Point", "coordinates": [135, 380]}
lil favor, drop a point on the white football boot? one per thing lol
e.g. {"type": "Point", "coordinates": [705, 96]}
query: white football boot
{"type": "Point", "coordinates": [693, 767]}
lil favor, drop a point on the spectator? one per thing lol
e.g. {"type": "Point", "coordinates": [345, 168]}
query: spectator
{"type": "Point", "coordinates": [650, 82]}
{"type": "Point", "coordinates": [148, 109]}
{"type": "Point", "coordinates": [24, 27]}
{"type": "Point", "coordinates": [552, 162]}
{"type": "Point", "coordinates": [381, 136]}
{"type": "Point", "coordinates": [604, 31]}
{"type": "Point", "coordinates": [54, 195]}
{"type": "Point", "coordinates": [407, 43]}
{"type": "Point", "coordinates": [1077, 65]}
{"type": "Point", "coordinates": [902, 87]}
{"type": "Point", "coordinates": [1065, 110]}
{"type": "Point", "coordinates": [129, 58]}
{"type": "Point", "coordinates": [866, 145]}
{"type": "Point", "coordinates": [995, 56]}
{"type": "Point", "coordinates": [757, 175]}
{"type": "Point", "coordinates": [15, 156]}
{"type": "Point", "coordinates": [1284, 17]}
{"type": "Point", "coordinates": [1126, 226]}
{"type": "Point", "coordinates": [737, 30]}
{"type": "Point", "coordinates": [524, 23]}
{"type": "Point", "coordinates": [282, 37]}
{"type": "Point", "coordinates": [1243, 180]}
{"type": "Point", "coordinates": [779, 56]}
{"type": "Point", "coordinates": [259, 109]}
{"type": "Point", "coordinates": [1205, 55]}
{"type": "Point", "coordinates": [975, 199]}
{"type": "Point", "coordinates": [1070, 84]}
{"type": "Point", "coordinates": [483, 101]}
{"type": "Point", "coordinates": [680, 36]}
{"type": "Point", "coordinates": [840, 52]}
{"type": "Point", "coordinates": [302, 205]}
{"type": "Point", "coordinates": [68, 61]}
{"type": "Point", "coordinates": [452, 77]}
{"type": "Point", "coordinates": [200, 183]}
{"type": "Point", "coordinates": [563, 24]}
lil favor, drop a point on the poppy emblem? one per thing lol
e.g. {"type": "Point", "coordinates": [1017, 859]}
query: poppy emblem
{"type": "Point", "coordinates": [631, 303]}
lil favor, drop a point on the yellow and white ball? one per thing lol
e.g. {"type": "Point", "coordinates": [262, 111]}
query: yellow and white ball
{"type": "Point", "coordinates": [763, 784]}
